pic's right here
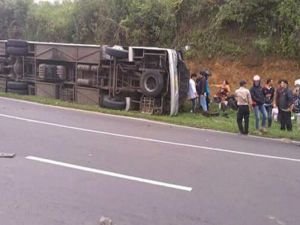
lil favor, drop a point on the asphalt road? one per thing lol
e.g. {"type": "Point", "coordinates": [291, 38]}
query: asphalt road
{"type": "Point", "coordinates": [73, 167]}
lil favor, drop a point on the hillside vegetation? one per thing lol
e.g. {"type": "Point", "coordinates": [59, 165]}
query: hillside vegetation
{"type": "Point", "coordinates": [234, 38]}
{"type": "Point", "coordinates": [211, 27]}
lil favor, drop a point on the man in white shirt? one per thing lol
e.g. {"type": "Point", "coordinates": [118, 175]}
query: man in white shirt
{"type": "Point", "coordinates": [244, 102]}
{"type": "Point", "coordinates": [192, 95]}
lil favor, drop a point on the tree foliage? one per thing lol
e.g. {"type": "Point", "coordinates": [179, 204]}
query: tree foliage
{"type": "Point", "coordinates": [13, 14]}
{"type": "Point", "coordinates": [50, 22]}
{"type": "Point", "coordinates": [212, 27]}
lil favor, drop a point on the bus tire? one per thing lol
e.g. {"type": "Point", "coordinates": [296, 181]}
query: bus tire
{"type": "Point", "coordinates": [113, 103]}
{"type": "Point", "coordinates": [14, 85]}
{"type": "Point", "coordinates": [19, 92]}
{"type": "Point", "coordinates": [152, 83]}
{"type": "Point", "coordinates": [17, 51]}
{"type": "Point", "coordinates": [17, 43]}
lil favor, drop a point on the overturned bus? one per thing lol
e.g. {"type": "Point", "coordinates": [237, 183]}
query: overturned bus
{"type": "Point", "coordinates": [152, 80]}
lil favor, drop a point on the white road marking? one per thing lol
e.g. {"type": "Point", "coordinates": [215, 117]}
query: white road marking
{"type": "Point", "coordinates": [150, 139]}
{"type": "Point", "coordinates": [111, 174]}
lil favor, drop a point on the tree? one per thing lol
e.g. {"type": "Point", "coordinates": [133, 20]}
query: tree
{"type": "Point", "coordinates": [96, 21]}
{"type": "Point", "coordinates": [50, 22]}
{"type": "Point", "coordinates": [13, 18]}
{"type": "Point", "coordinates": [150, 22]}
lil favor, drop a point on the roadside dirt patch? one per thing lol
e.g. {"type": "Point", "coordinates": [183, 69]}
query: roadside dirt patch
{"type": "Point", "coordinates": [246, 68]}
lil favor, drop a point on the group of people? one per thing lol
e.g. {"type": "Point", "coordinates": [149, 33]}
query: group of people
{"type": "Point", "coordinates": [199, 89]}
{"type": "Point", "coordinates": [266, 101]}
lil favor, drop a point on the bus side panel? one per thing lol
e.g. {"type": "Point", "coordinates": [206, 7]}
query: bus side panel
{"type": "Point", "coordinates": [56, 52]}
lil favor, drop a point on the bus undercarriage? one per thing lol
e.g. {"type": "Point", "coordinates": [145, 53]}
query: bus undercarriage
{"type": "Point", "coordinates": [152, 80]}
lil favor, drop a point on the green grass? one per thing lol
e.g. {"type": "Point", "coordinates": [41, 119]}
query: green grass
{"type": "Point", "coordinates": [186, 119]}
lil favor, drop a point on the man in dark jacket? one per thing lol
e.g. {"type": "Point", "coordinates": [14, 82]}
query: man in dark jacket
{"type": "Point", "coordinates": [284, 101]}
{"type": "Point", "coordinates": [277, 94]}
{"type": "Point", "coordinates": [258, 101]}
{"type": "Point", "coordinates": [201, 90]}
{"type": "Point", "coordinates": [269, 93]}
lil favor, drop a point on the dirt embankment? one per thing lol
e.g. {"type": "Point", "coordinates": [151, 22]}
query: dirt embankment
{"type": "Point", "coordinates": [235, 70]}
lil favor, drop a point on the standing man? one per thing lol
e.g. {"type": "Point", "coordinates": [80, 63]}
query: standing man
{"type": "Point", "coordinates": [258, 101]}
{"type": "Point", "coordinates": [284, 101]}
{"type": "Point", "coordinates": [269, 93]}
{"type": "Point", "coordinates": [244, 101]}
{"type": "Point", "coordinates": [276, 100]}
{"type": "Point", "coordinates": [201, 90]}
{"type": "Point", "coordinates": [192, 95]}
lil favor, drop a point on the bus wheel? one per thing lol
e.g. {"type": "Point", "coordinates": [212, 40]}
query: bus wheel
{"type": "Point", "coordinates": [152, 83]}
{"type": "Point", "coordinates": [112, 103]}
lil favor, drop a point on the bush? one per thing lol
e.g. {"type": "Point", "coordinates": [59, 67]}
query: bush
{"type": "Point", "coordinates": [213, 27]}
{"type": "Point", "coordinates": [264, 45]}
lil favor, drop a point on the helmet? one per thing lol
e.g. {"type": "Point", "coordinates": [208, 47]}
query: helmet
{"type": "Point", "coordinates": [256, 78]}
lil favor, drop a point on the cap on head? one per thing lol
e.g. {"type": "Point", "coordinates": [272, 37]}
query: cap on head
{"type": "Point", "coordinates": [256, 78]}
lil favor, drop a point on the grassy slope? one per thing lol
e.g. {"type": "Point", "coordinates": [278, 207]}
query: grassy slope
{"type": "Point", "coordinates": [186, 119]}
